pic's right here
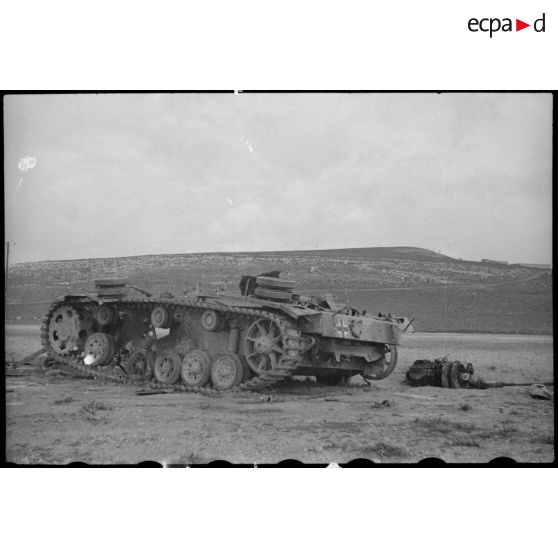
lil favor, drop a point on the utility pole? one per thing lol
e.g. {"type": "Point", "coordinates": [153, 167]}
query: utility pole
{"type": "Point", "coordinates": [7, 259]}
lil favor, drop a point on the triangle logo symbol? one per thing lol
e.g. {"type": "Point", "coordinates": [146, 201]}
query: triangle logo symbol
{"type": "Point", "coordinates": [519, 25]}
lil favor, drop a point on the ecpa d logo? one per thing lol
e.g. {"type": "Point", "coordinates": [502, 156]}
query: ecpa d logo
{"type": "Point", "coordinates": [492, 25]}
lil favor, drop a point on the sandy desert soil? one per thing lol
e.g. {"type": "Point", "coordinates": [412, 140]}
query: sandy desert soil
{"type": "Point", "coordinates": [58, 419]}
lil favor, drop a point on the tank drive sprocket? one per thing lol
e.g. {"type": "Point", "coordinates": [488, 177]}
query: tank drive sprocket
{"type": "Point", "coordinates": [67, 330]}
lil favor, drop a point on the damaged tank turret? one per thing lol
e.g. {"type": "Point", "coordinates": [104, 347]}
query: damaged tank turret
{"type": "Point", "coordinates": [253, 339]}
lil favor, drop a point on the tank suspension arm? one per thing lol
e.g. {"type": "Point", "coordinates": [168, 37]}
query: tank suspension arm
{"type": "Point", "coordinates": [233, 339]}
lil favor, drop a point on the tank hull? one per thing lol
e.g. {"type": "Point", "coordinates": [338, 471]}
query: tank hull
{"type": "Point", "coordinates": [207, 342]}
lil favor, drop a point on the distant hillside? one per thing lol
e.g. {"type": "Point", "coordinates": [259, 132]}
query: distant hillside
{"type": "Point", "coordinates": [444, 294]}
{"type": "Point", "coordinates": [404, 253]}
{"type": "Point", "coordinates": [409, 253]}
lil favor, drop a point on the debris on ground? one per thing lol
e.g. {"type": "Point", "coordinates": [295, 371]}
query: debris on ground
{"type": "Point", "coordinates": [57, 372]}
{"type": "Point", "coordinates": [384, 403]}
{"type": "Point", "coordinates": [412, 395]}
{"type": "Point", "coordinates": [539, 391]}
{"type": "Point", "coordinates": [28, 360]}
{"type": "Point", "coordinates": [63, 400]}
{"type": "Point", "coordinates": [442, 372]}
{"type": "Point", "coordinates": [91, 409]}
{"type": "Point", "coordinates": [154, 391]}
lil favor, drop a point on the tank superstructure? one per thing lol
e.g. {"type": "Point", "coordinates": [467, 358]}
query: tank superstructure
{"type": "Point", "coordinates": [200, 341]}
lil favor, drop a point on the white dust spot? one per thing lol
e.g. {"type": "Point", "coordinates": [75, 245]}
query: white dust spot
{"type": "Point", "coordinates": [229, 200]}
{"type": "Point", "coordinates": [27, 163]}
{"type": "Point", "coordinates": [88, 360]}
{"type": "Point", "coordinates": [243, 138]}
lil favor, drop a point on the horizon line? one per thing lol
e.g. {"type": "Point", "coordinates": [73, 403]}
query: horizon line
{"type": "Point", "coordinates": [301, 250]}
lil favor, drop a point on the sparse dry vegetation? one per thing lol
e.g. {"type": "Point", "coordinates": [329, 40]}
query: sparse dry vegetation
{"type": "Point", "coordinates": [63, 400]}
{"type": "Point", "coordinates": [90, 411]}
{"type": "Point", "coordinates": [457, 433]}
{"type": "Point", "coordinates": [442, 293]}
{"type": "Point", "coordinates": [386, 449]}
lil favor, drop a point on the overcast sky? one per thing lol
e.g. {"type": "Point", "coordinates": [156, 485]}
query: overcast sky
{"type": "Point", "coordinates": [116, 175]}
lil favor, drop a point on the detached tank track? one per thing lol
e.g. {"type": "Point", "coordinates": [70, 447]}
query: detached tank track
{"type": "Point", "coordinates": [288, 360]}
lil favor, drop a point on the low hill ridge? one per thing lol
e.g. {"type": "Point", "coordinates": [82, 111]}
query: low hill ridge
{"type": "Point", "coordinates": [373, 253]}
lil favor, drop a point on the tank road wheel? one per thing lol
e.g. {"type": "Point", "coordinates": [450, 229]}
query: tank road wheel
{"type": "Point", "coordinates": [196, 368]}
{"type": "Point", "coordinates": [384, 366]}
{"type": "Point", "coordinates": [212, 321]}
{"type": "Point", "coordinates": [139, 365]}
{"type": "Point", "coordinates": [99, 349]}
{"type": "Point", "coordinates": [161, 318]}
{"type": "Point", "coordinates": [104, 315]}
{"type": "Point", "coordinates": [262, 347]}
{"type": "Point", "coordinates": [67, 330]}
{"type": "Point", "coordinates": [167, 367]}
{"type": "Point", "coordinates": [227, 371]}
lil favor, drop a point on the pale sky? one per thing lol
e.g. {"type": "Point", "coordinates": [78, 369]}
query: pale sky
{"type": "Point", "coordinates": [116, 175]}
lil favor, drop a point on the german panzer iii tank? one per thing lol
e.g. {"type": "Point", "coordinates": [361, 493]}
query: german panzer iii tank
{"type": "Point", "coordinates": [203, 341]}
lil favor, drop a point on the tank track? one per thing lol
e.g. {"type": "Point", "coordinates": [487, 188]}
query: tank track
{"type": "Point", "coordinates": [288, 360]}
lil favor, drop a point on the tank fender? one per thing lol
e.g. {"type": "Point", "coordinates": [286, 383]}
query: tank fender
{"type": "Point", "coordinates": [297, 313]}
{"type": "Point", "coordinates": [78, 298]}
{"type": "Point", "coordinates": [369, 353]}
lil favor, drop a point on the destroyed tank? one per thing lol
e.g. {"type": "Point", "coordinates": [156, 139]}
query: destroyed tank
{"type": "Point", "coordinates": [205, 341]}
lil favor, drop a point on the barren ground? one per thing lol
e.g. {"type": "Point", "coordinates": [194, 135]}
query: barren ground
{"type": "Point", "coordinates": [58, 419]}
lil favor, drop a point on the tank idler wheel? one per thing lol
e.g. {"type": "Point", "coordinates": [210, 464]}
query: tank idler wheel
{"type": "Point", "coordinates": [139, 365]}
{"type": "Point", "coordinates": [262, 345]}
{"type": "Point", "coordinates": [104, 315]}
{"type": "Point", "coordinates": [226, 372]}
{"type": "Point", "coordinates": [283, 296]}
{"type": "Point", "coordinates": [275, 283]}
{"type": "Point", "coordinates": [384, 366]}
{"type": "Point", "coordinates": [196, 368]}
{"type": "Point", "coordinates": [212, 320]}
{"type": "Point", "coordinates": [393, 352]}
{"type": "Point", "coordinates": [99, 349]}
{"type": "Point", "coordinates": [167, 367]}
{"type": "Point", "coordinates": [161, 317]}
